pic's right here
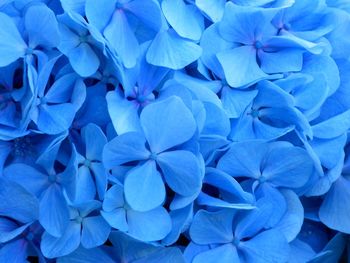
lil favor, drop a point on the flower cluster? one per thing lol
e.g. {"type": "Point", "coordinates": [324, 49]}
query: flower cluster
{"type": "Point", "coordinates": [174, 131]}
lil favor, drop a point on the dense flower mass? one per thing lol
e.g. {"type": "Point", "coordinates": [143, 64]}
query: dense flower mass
{"type": "Point", "coordinates": [174, 131]}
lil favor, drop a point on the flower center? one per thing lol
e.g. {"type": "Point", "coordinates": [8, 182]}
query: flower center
{"type": "Point", "coordinates": [78, 219]}
{"type": "Point", "coordinates": [153, 156]}
{"type": "Point", "coordinates": [262, 179]}
{"type": "Point", "coordinates": [254, 113]}
{"type": "Point", "coordinates": [236, 241]}
{"type": "Point", "coordinates": [29, 51]}
{"type": "Point", "coordinates": [52, 178]}
{"type": "Point", "coordinates": [87, 163]}
{"type": "Point", "coordinates": [258, 44]}
{"type": "Point", "coordinates": [287, 26]}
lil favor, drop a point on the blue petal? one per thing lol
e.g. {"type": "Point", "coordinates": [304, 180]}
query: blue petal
{"type": "Point", "coordinates": [12, 45]}
{"type": "Point", "coordinates": [99, 13]}
{"type": "Point", "coordinates": [269, 246]}
{"type": "Point", "coordinates": [17, 203]}
{"type": "Point", "coordinates": [31, 179]}
{"type": "Point", "coordinates": [84, 60]}
{"type": "Point", "coordinates": [114, 198]}
{"type": "Point", "coordinates": [144, 187]}
{"type": "Point", "coordinates": [335, 206]}
{"type": "Point", "coordinates": [95, 231]}
{"type": "Point", "coordinates": [226, 253]}
{"type": "Point", "coordinates": [240, 66]}
{"type": "Point", "coordinates": [171, 51]}
{"type": "Point", "coordinates": [54, 214]}
{"type": "Point", "coordinates": [291, 222]}
{"type": "Point", "coordinates": [214, 9]}
{"type": "Point", "coordinates": [212, 227]}
{"type": "Point", "coordinates": [85, 189]}
{"type": "Point", "coordinates": [42, 27]}
{"type": "Point", "coordinates": [149, 226]}
{"type": "Point", "coordinates": [14, 252]}
{"type": "Point", "coordinates": [87, 256]}
{"type": "Point", "coordinates": [117, 219]}
{"type": "Point", "coordinates": [288, 166]}
{"type": "Point", "coordinates": [123, 113]}
{"type": "Point", "coordinates": [235, 101]}
{"type": "Point", "coordinates": [9, 229]}
{"type": "Point", "coordinates": [94, 140]}
{"type": "Point", "coordinates": [184, 19]}
{"type": "Point", "coordinates": [125, 148]}
{"type": "Point", "coordinates": [167, 123]}
{"type": "Point", "coordinates": [181, 171]}
{"type": "Point", "coordinates": [53, 247]}
{"type": "Point", "coordinates": [122, 39]}
{"type": "Point", "coordinates": [243, 159]}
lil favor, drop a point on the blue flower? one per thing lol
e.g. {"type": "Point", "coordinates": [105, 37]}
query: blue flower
{"type": "Point", "coordinates": [236, 238]}
{"type": "Point", "coordinates": [50, 185]}
{"type": "Point", "coordinates": [166, 124]}
{"type": "Point", "coordinates": [151, 225]}
{"type": "Point", "coordinates": [84, 227]}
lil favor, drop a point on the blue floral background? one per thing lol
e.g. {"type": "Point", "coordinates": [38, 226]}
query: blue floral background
{"type": "Point", "coordinates": [174, 131]}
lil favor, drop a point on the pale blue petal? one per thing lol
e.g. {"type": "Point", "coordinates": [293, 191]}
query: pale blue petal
{"type": "Point", "coordinates": [167, 123]}
{"type": "Point", "coordinates": [144, 187]}
{"type": "Point", "coordinates": [226, 253]}
{"type": "Point", "coordinates": [171, 51]}
{"type": "Point", "coordinates": [84, 60]}
{"type": "Point", "coordinates": [149, 226]}
{"type": "Point", "coordinates": [181, 171]}
{"type": "Point", "coordinates": [95, 231]}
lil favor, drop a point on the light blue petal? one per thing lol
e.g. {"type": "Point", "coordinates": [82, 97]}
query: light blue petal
{"type": "Point", "coordinates": [167, 123]}
{"type": "Point", "coordinates": [14, 252]}
{"type": "Point", "coordinates": [114, 198]}
{"type": "Point", "coordinates": [184, 19]}
{"type": "Point", "coordinates": [122, 39]}
{"type": "Point", "coordinates": [12, 45]}
{"type": "Point", "coordinates": [54, 213]}
{"type": "Point", "coordinates": [288, 166]}
{"type": "Point", "coordinates": [226, 253]}
{"type": "Point", "coordinates": [124, 114]}
{"type": "Point", "coordinates": [285, 60]}
{"type": "Point", "coordinates": [30, 178]}
{"type": "Point", "coordinates": [268, 246]}
{"type": "Point", "coordinates": [335, 208]}
{"type": "Point", "coordinates": [42, 27]}
{"type": "Point", "coordinates": [149, 226]}
{"type": "Point", "coordinates": [16, 202]}
{"type": "Point", "coordinates": [148, 11]}
{"type": "Point", "coordinates": [214, 9]}
{"type": "Point", "coordinates": [125, 148]}
{"type": "Point", "coordinates": [181, 171]}
{"type": "Point", "coordinates": [240, 66]}
{"type": "Point", "coordinates": [99, 13]}
{"type": "Point", "coordinates": [212, 227]}
{"type": "Point", "coordinates": [171, 51]}
{"type": "Point", "coordinates": [95, 231]}
{"type": "Point", "coordinates": [55, 119]}
{"type": "Point", "coordinates": [166, 255]}
{"type": "Point", "coordinates": [53, 247]}
{"type": "Point", "coordinates": [85, 185]}
{"type": "Point", "coordinates": [235, 101]}
{"type": "Point", "coordinates": [217, 121]}
{"type": "Point", "coordinates": [87, 255]}
{"type": "Point", "coordinates": [243, 159]}
{"type": "Point", "coordinates": [94, 140]}
{"type": "Point", "coordinates": [144, 187]}
{"type": "Point", "coordinates": [84, 60]}
{"type": "Point", "coordinates": [100, 174]}
{"type": "Point", "coordinates": [291, 223]}
{"type": "Point", "coordinates": [116, 219]}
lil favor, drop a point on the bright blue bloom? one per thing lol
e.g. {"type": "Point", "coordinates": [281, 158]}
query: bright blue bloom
{"type": "Point", "coordinates": [151, 225]}
{"type": "Point", "coordinates": [54, 106]}
{"type": "Point", "coordinates": [91, 177]}
{"type": "Point", "coordinates": [139, 84]}
{"type": "Point", "coordinates": [50, 185]}
{"type": "Point", "coordinates": [236, 238]}
{"type": "Point", "coordinates": [84, 227]}
{"type": "Point", "coordinates": [166, 124]}
{"type": "Point", "coordinates": [175, 44]}
{"type": "Point", "coordinates": [269, 115]}
{"type": "Point", "coordinates": [115, 19]}
{"type": "Point", "coordinates": [41, 33]}
{"type": "Point", "coordinates": [77, 44]}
